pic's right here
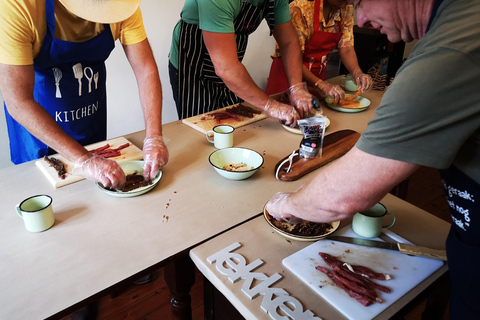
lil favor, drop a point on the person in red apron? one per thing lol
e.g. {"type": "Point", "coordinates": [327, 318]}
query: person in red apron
{"type": "Point", "coordinates": [325, 34]}
{"type": "Point", "coordinates": [197, 86]}
{"type": "Point", "coordinates": [70, 85]}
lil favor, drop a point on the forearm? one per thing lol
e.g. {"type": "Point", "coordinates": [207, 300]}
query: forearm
{"type": "Point", "coordinates": [239, 81]}
{"type": "Point", "coordinates": [150, 92]}
{"type": "Point", "coordinates": [352, 183]}
{"type": "Point", "coordinates": [287, 40]}
{"type": "Point", "coordinates": [145, 69]}
{"type": "Point", "coordinates": [26, 111]}
{"type": "Point", "coordinates": [349, 59]}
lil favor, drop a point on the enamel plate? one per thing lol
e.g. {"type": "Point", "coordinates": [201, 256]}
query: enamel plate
{"type": "Point", "coordinates": [364, 103]}
{"type": "Point", "coordinates": [284, 226]}
{"type": "Point", "coordinates": [130, 167]}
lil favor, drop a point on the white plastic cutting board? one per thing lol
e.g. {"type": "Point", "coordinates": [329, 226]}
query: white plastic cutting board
{"type": "Point", "coordinates": [132, 152]}
{"type": "Point", "coordinates": [406, 271]}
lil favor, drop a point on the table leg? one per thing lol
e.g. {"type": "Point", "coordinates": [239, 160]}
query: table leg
{"type": "Point", "coordinates": [180, 276]}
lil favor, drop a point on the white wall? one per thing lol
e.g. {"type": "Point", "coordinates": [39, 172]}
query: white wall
{"type": "Point", "coordinates": [124, 112]}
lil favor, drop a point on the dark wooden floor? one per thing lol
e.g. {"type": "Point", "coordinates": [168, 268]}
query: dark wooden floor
{"type": "Point", "coordinates": [152, 300]}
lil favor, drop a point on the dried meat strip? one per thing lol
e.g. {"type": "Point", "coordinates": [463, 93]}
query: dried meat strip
{"type": "Point", "coordinates": [344, 276]}
{"type": "Point", "coordinates": [106, 152]}
{"type": "Point", "coordinates": [360, 298]}
{"type": "Point", "coordinates": [361, 290]}
{"type": "Point", "coordinates": [367, 272]}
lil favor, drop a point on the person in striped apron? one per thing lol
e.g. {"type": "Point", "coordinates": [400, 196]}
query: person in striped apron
{"type": "Point", "coordinates": [53, 78]}
{"type": "Point", "coordinates": [208, 46]}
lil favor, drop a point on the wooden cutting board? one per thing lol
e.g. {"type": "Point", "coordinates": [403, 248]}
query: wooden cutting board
{"type": "Point", "coordinates": [406, 271]}
{"type": "Point", "coordinates": [335, 145]}
{"type": "Point", "coordinates": [203, 126]}
{"type": "Point", "coordinates": [132, 152]}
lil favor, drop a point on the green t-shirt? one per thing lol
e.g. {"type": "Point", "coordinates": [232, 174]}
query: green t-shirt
{"type": "Point", "coordinates": [430, 115]}
{"type": "Point", "coordinates": [218, 16]}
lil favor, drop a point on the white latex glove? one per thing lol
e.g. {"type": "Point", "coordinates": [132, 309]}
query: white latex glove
{"type": "Point", "coordinates": [362, 80]}
{"type": "Point", "coordinates": [301, 99]}
{"type": "Point", "coordinates": [155, 156]}
{"type": "Point", "coordinates": [282, 111]}
{"type": "Point", "coordinates": [99, 169]}
{"type": "Point", "coordinates": [276, 207]}
{"type": "Point", "coordinates": [326, 89]}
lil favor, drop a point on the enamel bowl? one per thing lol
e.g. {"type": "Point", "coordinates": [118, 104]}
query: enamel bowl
{"type": "Point", "coordinates": [222, 157]}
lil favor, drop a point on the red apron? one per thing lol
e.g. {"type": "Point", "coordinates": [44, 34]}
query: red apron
{"type": "Point", "coordinates": [315, 56]}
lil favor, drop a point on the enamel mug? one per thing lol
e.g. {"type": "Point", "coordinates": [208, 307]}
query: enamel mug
{"type": "Point", "coordinates": [36, 212]}
{"type": "Point", "coordinates": [369, 223]}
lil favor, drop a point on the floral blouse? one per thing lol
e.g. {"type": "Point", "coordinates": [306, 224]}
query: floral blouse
{"type": "Point", "coordinates": [302, 13]}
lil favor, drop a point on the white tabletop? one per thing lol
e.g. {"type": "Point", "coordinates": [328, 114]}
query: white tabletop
{"type": "Point", "coordinates": [98, 240]}
{"type": "Point", "coordinates": [258, 241]}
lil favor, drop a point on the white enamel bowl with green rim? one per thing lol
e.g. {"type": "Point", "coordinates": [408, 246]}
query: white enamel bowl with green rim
{"type": "Point", "coordinates": [221, 157]}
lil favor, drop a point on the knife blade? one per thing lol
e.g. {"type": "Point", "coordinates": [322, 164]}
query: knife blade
{"type": "Point", "coordinates": [401, 247]}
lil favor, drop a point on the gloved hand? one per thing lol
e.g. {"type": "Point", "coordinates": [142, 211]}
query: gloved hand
{"type": "Point", "coordinates": [282, 111]}
{"type": "Point", "coordinates": [301, 99]}
{"type": "Point", "coordinates": [276, 208]}
{"type": "Point", "coordinates": [155, 156]}
{"type": "Point", "coordinates": [99, 169]}
{"type": "Point", "coordinates": [326, 89]}
{"type": "Point", "coordinates": [362, 80]}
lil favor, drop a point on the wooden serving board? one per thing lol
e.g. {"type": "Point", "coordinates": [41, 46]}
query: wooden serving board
{"type": "Point", "coordinates": [203, 126]}
{"type": "Point", "coordinates": [132, 152]}
{"type": "Point", "coordinates": [335, 145]}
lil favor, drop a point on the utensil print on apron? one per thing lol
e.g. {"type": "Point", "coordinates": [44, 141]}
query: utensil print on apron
{"type": "Point", "coordinates": [78, 72]}
{"type": "Point", "coordinates": [82, 117]}
{"type": "Point", "coordinates": [89, 76]}
{"type": "Point", "coordinates": [95, 80]}
{"type": "Point", "coordinates": [57, 74]}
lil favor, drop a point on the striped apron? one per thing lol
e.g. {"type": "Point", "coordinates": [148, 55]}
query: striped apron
{"type": "Point", "coordinates": [200, 89]}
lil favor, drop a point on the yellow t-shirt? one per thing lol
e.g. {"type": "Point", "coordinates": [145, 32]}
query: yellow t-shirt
{"type": "Point", "coordinates": [23, 27]}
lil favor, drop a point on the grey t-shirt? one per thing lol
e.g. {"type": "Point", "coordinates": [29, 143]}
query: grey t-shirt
{"type": "Point", "coordinates": [430, 115]}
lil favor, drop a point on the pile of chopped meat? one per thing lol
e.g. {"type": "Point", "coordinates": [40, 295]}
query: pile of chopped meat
{"type": "Point", "coordinates": [303, 228]}
{"type": "Point", "coordinates": [243, 110]}
{"type": "Point", "coordinates": [133, 181]}
{"type": "Point", "coordinates": [219, 116]}
{"type": "Point", "coordinates": [58, 165]}
{"type": "Point", "coordinates": [354, 280]}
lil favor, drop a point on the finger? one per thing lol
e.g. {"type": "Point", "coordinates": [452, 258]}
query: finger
{"type": "Point", "coordinates": [106, 183]}
{"type": "Point", "coordinates": [153, 170]}
{"type": "Point", "coordinates": [146, 170]}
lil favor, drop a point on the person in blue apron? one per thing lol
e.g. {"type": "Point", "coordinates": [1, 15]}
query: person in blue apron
{"type": "Point", "coordinates": [330, 26]}
{"type": "Point", "coordinates": [429, 116]}
{"type": "Point", "coordinates": [208, 46]}
{"type": "Point", "coordinates": [63, 106]}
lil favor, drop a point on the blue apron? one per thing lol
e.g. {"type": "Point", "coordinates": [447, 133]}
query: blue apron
{"type": "Point", "coordinates": [70, 80]}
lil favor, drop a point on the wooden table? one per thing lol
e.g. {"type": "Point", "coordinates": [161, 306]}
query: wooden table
{"type": "Point", "coordinates": [100, 242]}
{"type": "Point", "coordinates": [259, 241]}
